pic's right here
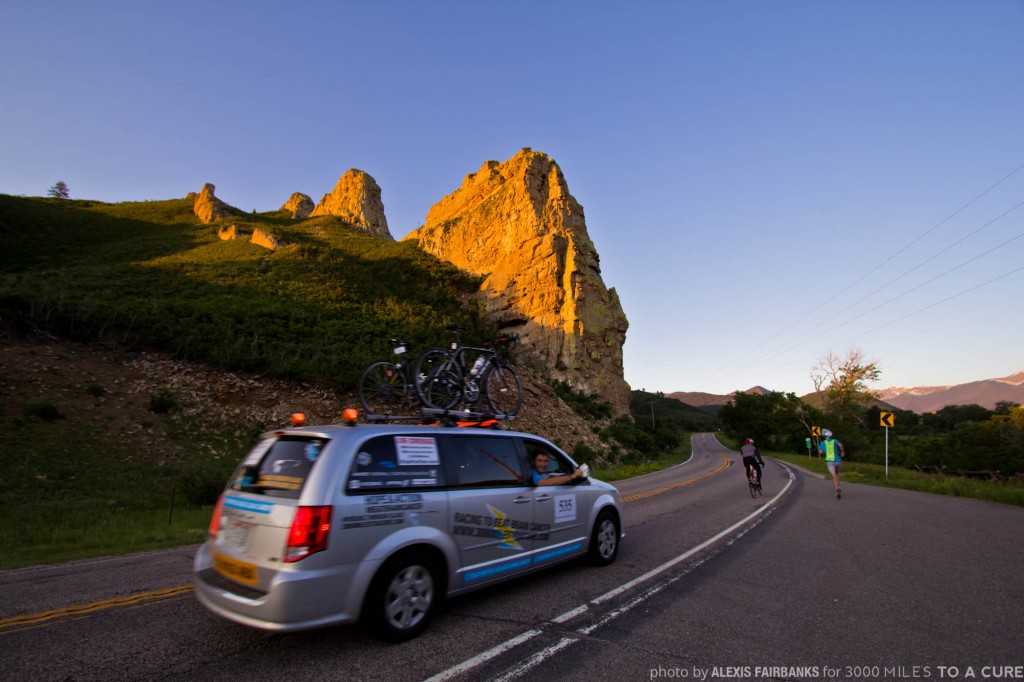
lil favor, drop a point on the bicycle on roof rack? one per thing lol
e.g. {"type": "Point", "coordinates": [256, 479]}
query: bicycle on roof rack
{"type": "Point", "coordinates": [389, 388]}
{"type": "Point", "coordinates": [470, 376]}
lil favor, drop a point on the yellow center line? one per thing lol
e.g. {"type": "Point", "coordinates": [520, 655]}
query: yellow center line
{"type": "Point", "coordinates": [658, 491]}
{"type": "Point", "coordinates": [30, 620]}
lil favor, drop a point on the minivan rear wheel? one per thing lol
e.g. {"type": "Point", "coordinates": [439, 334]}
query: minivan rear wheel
{"type": "Point", "coordinates": [403, 597]}
{"type": "Point", "coordinates": [604, 539]}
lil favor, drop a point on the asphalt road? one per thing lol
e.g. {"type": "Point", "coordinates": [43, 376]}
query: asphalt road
{"type": "Point", "coordinates": [710, 584]}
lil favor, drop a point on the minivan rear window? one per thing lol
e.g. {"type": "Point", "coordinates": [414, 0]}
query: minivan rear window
{"type": "Point", "coordinates": [278, 466]}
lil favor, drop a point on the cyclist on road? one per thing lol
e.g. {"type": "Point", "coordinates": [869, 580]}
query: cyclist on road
{"type": "Point", "coordinates": [834, 453]}
{"type": "Point", "coordinates": [751, 458]}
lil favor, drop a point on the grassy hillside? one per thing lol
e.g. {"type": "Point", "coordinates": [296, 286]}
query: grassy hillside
{"type": "Point", "coordinates": [148, 274]}
{"type": "Point", "coordinates": [140, 356]}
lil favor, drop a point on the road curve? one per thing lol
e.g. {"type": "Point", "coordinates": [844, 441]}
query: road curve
{"type": "Point", "coordinates": [793, 580]}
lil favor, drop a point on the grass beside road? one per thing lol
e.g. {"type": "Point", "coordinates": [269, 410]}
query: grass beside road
{"type": "Point", "coordinates": [40, 529]}
{"type": "Point", "coordinates": [139, 517]}
{"type": "Point", "coordinates": [1004, 492]}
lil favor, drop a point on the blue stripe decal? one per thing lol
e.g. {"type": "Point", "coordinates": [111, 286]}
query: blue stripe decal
{"type": "Point", "coordinates": [521, 562]}
{"type": "Point", "coordinates": [497, 569]}
{"type": "Point", "coordinates": [557, 553]}
{"type": "Point", "coordinates": [248, 505]}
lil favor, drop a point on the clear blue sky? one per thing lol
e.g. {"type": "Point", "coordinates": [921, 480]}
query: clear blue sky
{"type": "Point", "coordinates": [765, 181]}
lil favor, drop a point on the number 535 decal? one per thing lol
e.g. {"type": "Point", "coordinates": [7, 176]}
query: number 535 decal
{"type": "Point", "coordinates": [565, 508]}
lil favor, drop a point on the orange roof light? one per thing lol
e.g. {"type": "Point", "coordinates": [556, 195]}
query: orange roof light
{"type": "Point", "coordinates": [350, 415]}
{"type": "Point", "coordinates": [298, 419]}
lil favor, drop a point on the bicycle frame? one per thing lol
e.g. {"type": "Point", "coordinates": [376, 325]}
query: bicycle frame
{"type": "Point", "coordinates": [450, 376]}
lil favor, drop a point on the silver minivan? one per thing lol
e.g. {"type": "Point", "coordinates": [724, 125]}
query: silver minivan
{"type": "Point", "coordinates": [379, 523]}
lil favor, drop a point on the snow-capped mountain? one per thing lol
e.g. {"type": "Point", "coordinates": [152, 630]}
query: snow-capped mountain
{"type": "Point", "coordinates": [986, 393]}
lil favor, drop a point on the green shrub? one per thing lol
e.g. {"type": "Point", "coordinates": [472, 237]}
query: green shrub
{"type": "Point", "coordinates": [162, 402]}
{"type": "Point", "coordinates": [46, 411]}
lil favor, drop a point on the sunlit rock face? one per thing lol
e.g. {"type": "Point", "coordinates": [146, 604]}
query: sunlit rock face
{"type": "Point", "coordinates": [356, 199]}
{"type": "Point", "coordinates": [299, 205]}
{"type": "Point", "coordinates": [209, 208]}
{"type": "Point", "coordinates": [515, 224]}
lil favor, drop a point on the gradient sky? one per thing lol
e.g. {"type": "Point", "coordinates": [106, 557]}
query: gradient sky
{"type": "Point", "coordinates": [765, 181]}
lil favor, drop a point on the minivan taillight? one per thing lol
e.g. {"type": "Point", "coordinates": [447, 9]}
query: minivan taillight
{"type": "Point", "coordinates": [218, 509]}
{"type": "Point", "coordinates": [308, 534]}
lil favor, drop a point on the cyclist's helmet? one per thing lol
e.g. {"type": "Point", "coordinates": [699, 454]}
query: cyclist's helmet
{"type": "Point", "coordinates": [749, 441]}
{"type": "Point", "coordinates": [826, 433]}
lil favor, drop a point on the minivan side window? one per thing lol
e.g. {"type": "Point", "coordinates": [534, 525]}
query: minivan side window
{"type": "Point", "coordinates": [557, 463]}
{"type": "Point", "coordinates": [484, 461]}
{"type": "Point", "coordinates": [389, 462]}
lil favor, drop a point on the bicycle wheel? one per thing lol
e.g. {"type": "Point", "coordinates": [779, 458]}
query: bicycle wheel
{"type": "Point", "coordinates": [438, 381]}
{"type": "Point", "coordinates": [383, 390]}
{"type": "Point", "coordinates": [504, 390]}
{"type": "Point", "coordinates": [753, 487]}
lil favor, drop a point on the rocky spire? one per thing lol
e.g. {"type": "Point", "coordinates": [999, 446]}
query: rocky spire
{"type": "Point", "coordinates": [356, 199]}
{"type": "Point", "coordinates": [209, 208]}
{"type": "Point", "coordinates": [516, 224]}
{"type": "Point", "coordinates": [299, 205]}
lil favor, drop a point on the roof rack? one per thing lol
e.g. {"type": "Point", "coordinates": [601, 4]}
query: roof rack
{"type": "Point", "coordinates": [449, 417]}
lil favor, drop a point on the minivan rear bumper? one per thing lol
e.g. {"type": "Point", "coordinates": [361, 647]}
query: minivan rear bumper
{"type": "Point", "coordinates": [295, 600]}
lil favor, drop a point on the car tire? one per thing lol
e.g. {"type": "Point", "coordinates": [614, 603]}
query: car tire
{"type": "Point", "coordinates": [604, 539]}
{"type": "Point", "coordinates": [403, 597]}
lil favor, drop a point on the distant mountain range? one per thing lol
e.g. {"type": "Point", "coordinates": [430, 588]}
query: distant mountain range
{"type": "Point", "coordinates": [919, 399]}
{"type": "Point", "coordinates": [986, 393]}
{"type": "Point", "coordinates": [710, 399]}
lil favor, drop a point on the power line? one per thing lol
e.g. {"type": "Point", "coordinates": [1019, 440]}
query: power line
{"type": "Point", "coordinates": [912, 314]}
{"type": "Point", "coordinates": [797, 321]}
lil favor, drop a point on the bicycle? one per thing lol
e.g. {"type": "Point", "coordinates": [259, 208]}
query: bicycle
{"type": "Point", "coordinates": [755, 485]}
{"type": "Point", "coordinates": [389, 388]}
{"type": "Point", "coordinates": [447, 378]}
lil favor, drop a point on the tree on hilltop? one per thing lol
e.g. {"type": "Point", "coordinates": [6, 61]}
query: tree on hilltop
{"type": "Point", "coordinates": [59, 191]}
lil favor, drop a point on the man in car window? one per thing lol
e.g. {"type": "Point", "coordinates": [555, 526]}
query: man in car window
{"type": "Point", "coordinates": [539, 459]}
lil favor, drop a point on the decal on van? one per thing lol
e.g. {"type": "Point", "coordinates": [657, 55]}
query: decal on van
{"type": "Point", "coordinates": [497, 525]}
{"type": "Point", "coordinates": [417, 451]}
{"type": "Point", "coordinates": [565, 508]}
{"type": "Point", "coordinates": [503, 529]}
{"type": "Point", "coordinates": [384, 510]}
{"type": "Point", "coordinates": [248, 505]}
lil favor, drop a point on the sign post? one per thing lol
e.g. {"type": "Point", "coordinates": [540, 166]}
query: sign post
{"type": "Point", "coordinates": [807, 441]}
{"type": "Point", "coordinates": [816, 432]}
{"type": "Point", "coordinates": [887, 419]}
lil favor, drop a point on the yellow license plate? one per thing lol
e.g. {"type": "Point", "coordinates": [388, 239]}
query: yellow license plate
{"type": "Point", "coordinates": [239, 571]}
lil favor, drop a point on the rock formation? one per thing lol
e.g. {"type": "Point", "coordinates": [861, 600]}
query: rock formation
{"type": "Point", "coordinates": [258, 237]}
{"type": "Point", "coordinates": [356, 200]}
{"type": "Point", "coordinates": [209, 208]}
{"type": "Point", "coordinates": [299, 205]}
{"type": "Point", "coordinates": [516, 224]}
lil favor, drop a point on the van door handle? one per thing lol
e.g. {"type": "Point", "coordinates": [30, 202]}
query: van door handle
{"type": "Point", "coordinates": [543, 498]}
{"type": "Point", "coordinates": [521, 500]}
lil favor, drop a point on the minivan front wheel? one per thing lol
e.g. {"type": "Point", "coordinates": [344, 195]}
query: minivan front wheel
{"type": "Point", "coordinates": [604, 539]}
{"type": "Point", "coordinates": [403, 597]}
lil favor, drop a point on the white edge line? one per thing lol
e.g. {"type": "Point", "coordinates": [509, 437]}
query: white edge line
{"type": "Point", "coordinates": [485, 656]}
{"type": "Point", "coordinates": [689, 553]}
{"type": "Point", "coordinates": [535, 660]}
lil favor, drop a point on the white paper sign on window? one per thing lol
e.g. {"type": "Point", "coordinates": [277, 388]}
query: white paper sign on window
{"type": "Point", "coordinates": [416, 450]}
